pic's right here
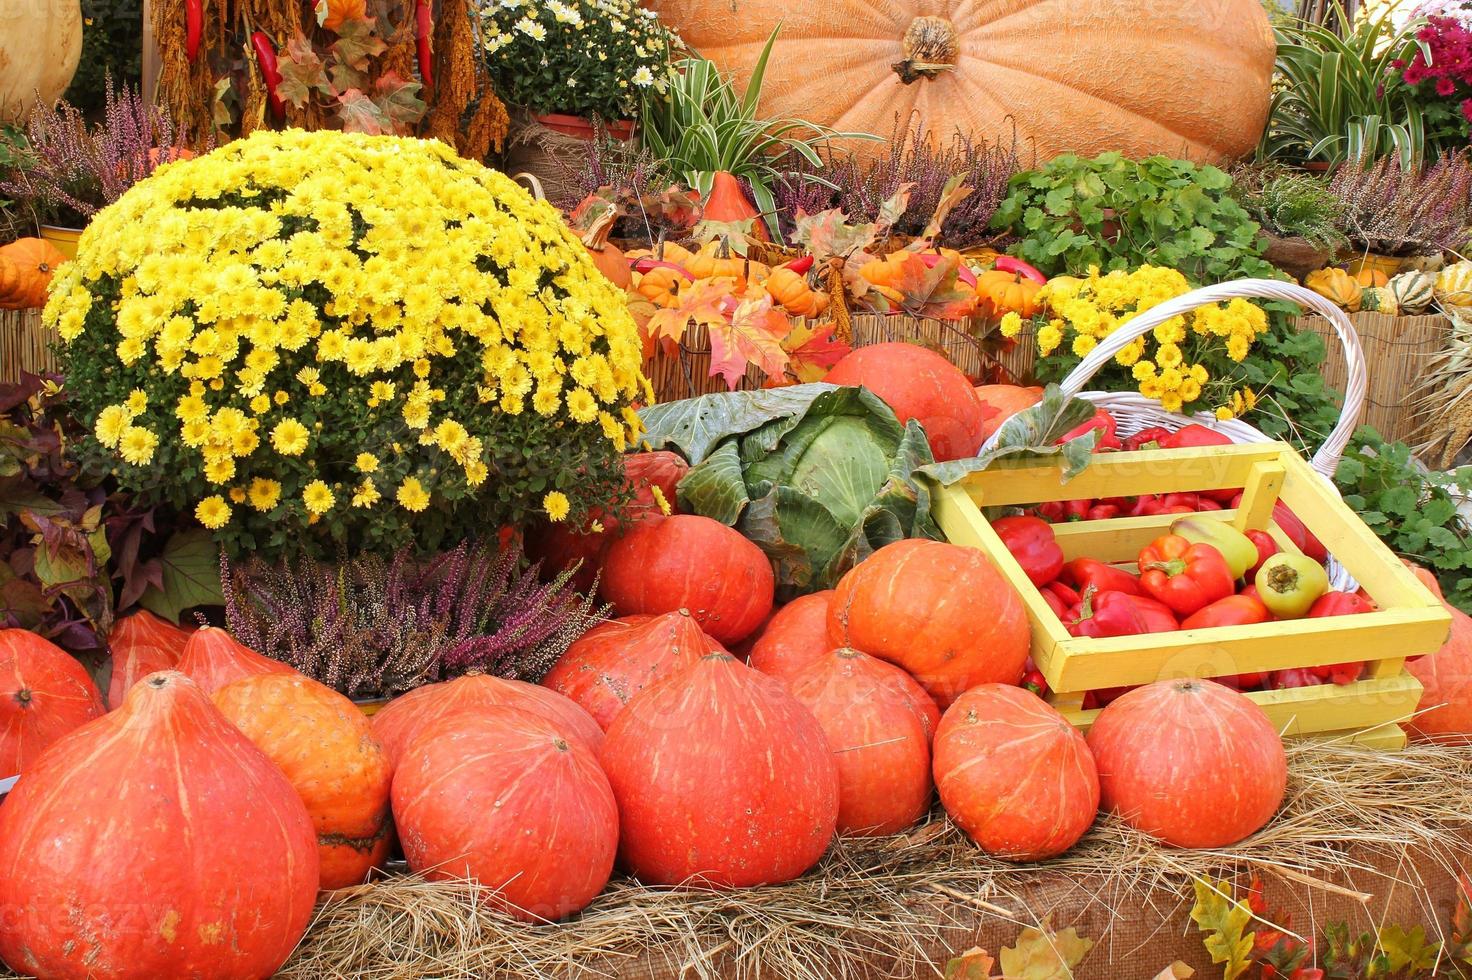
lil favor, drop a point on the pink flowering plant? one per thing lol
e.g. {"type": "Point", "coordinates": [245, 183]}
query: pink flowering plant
{"type": "Point", "coordinates": [1439, 74]}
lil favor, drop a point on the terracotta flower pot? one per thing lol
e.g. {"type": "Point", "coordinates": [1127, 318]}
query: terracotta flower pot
{"type": "Point", "coordinates": [580, 128]}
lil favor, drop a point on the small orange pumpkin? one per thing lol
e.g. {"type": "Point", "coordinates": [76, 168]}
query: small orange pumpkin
{"type": "Point", "coordinates": [792, 291]}
{"type": "Point", "coordinates": [709, 264]}
{"type": "Point", "coordinates": [662, 287]}
{"type": "Point", "coordinates": [1008, 292]}
{"type": "Point", "coordinates": [26, 267]}
{"type": "Point", "coordinates": [1370, 277]}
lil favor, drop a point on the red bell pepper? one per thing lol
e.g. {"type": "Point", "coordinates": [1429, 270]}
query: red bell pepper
{"type": "Point", "coordinates": [1250, 589]}
{"type": "Point", "coordinates": [1185, 576]}
{"type": "Point", "coordinates": [1034, 681]}
{"type": "Point", "coordinates": [1104, 697]}
{"type": "Point", "coordinates": [1076, 510]}
{"type": "Point", "coordinates": [1244, 682]}
{"type": "Point", "coordinates": [1193, 436]}
{"type": "Point", "coordinates": [1104, 423]}
{"type": "Point", "coordinates": [1059, 607]}
{"type": "Point", "coordinates": [1083, 573]}
{"type": "Point", "coordinates": [1146, 505]}
{"type": "Point", "coordinates": [1340, 604]}
{"type": "Point", "coordinates": [1104, 614]}
{"type": "Point", "coordinates": [1102, 512]}
{"type": "Point", "coordinates": [1266, 548]}
{"type": "Point", "coordinates": [1006, 263]}
{"type": "Point", "coordinates": [1066, 594]}
{"type": "Point", "coordinates": [1031, 542]}
{"type": "Point", "coordinates": [1234, 610]}
{"type": "Point", "coordinates": [1303, 539]}
{"type": "Point", "coordinates": [1146, 438]}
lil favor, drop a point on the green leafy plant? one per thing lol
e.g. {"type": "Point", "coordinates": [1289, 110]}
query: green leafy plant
{"type": "Point", "coordinates": [1292, 204]}
{"type": "Point", "coordinates": [1332, 103]}
{"type": "Point", "coordinates": [818, 476]}
{"type": "Point", "coordinates": [583, 57]}
{"type": "Point", "coordinates": [699, 126]}
{"type": "Point", "coordinates": [74, 550]}
{"type": "Point", "coordinates": [1412, 509]}
{"type": "Point", "coordinates": [1117, 213]}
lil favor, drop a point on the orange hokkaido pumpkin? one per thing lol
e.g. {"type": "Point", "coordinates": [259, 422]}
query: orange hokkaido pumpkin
{"type": "Point", "coordinates": [402, 719]}
{"type": "Point", "coordinates": [165, 844]}
{"type": "Point", "coordinates": [325, 747]}
{"type": "Point", "coordinates": [141, 643]}
{"type": "Point", "coordinates": [938, 610]}
{"type": "Point", "coordinates": [609, 259]}
{"type": "Point", "coordinates": [1014, 774]}
{"type": "Point", "coordinates": [722, 778]}
{"type": "Point", "coordinates": [1190, 762]}
{"type": "Point", "coordinates": [1445, 710]}
{"type": "Point", "coordinates": [1000, 402]}
{"type": "Point", "coordinates": [879, 743]}
{"type": "Point", "coordinates": [613, 661]}
{"type": "Point", "coordinates": [1008, 292]}
{"type": "Point", "coordinates": [727, 202]}
{"type": "Point", "coordinates": [694, 563]}
{"type": "Point", "coordinates": [795, 636]}
{"type": "Point", "coordinates": [651, 476]}
{"type": "Point", "coordinates": [44, 693]}
{"type": "Point", "coordinates": [29, 265]}
{"type": "Point", "coordinates": [213, 658]}
{"type": "Point", "coordinates": [1138, 76]}
{"type": "Point", "coordinates": [922, 385]}
{"type": "Point", "coordinates": [506, 798]}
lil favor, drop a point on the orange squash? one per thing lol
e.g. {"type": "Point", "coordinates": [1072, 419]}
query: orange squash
{"type": "Point", "coordinates": [1008, 292]}
{"type": "Point", "coordinates": [609, 259]}
{"type": "Point", "coordinates": [213, 658]}
{"type": "Point", "coordinates": [792, 291]}
{"type": "Point", "coordinates": [325, 748]}
{"type": "Point", "coordinates": [44, 694]}
{"type": "Point", "coordinates": [26, 268]}
{"type": "Point", "coordinates": [1000, 402]}
{"type": "Point", "coordinates": [662, 286]}
{"type": "Point", "coordinates": [795, 636]}
{"type": "Point", "coordinates": [1370, 277]}
{"type": "Point", "coordinates": [1138, 76]}
{"type": "Point", "coordinates": [141, 644]}
{"type": "Point", "coordinates": [727, 202]}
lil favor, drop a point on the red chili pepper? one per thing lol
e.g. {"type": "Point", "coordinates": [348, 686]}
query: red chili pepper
{"type": "Point", "coordinates": [1234, 610]}
{"type": "Point", "coordinates": [1052, 512]}
{"type": "Point", "coordinates": [1006, 263]}
{"type": "Point", "coordinates": [1146, 505]}
{"type": "Point", "coordinates": [1146, 438]}
{"type": "Point", "coordinates": [1034, 681]}
{"type": "Point", "coordinates": [1103, 614]}
{"type": "Point", "coordinates": [801, 264]}
{"type": "Point", "coordinates": [1245, 682]}
{"type": "Point", "coordinates": [1104, 423]}
{"type": "Point", "coordinates": [193, 27]}
{"type": "Point", "coordinates": [1083, 573]}
{"type": "Point", "coordinates": [266, 60]}
{"type": "Point", "coordinates": [1031, 542]}
{"type": "Point", "coordinates": [1064, 593]}
{"type": "Point", "coordinates": [1184, 576]}
{"type": "Point", "coordinates": [1191, 500]}
{"type": "Point", "coordinates": [424, 40]}
{"type": "Point", "coordinates": [1266, 548]}
{"type": "Point", "coordinates": [1102, 512]}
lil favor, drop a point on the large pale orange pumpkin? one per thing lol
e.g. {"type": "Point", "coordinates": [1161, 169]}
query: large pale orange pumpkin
{"type": "Point", "coordinates": [403, 718]}
{"type": "Point", "coordinates": [501, 796]}
{"type": "Point", "coordinates": [40, 45]}
{"type": "Point", "coordinates": [325, 747]}
{"type": "Point", "coordinates": [1190, 762]}
{"type": "Point", "coordinates": [1014, 774]}
{"type": "Point", "coordinates": [938, 610]}
{"type": "Point", "coordinates": [795, 636]}
{"type": "Point", "coordinates": [613, 661]}
{"type": "Point", "coordinates": [1139, 76]}
{"type": "Point", "coordinates": [156, 841]}
{"type": "Point", "coordinates": [880, 743]}
{"type": "Point", "coordinates": [141, 644]}
{"type": "Point", "coordinates": [213, 658]}
{"type": "Point", "coordinates": [44, 693]}
{"type": "Point", "coordinates": [1000, 402]}
{"type": "Point", "coordinates": [721, 777]}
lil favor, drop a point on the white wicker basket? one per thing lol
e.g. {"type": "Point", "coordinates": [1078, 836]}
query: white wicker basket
{"type": "Point", "coordinates": [1134, 411]}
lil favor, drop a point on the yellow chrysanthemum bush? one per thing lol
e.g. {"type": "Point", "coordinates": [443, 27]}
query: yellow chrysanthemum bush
{"type": "Point", "coordinates": [1187, 363]}
{"type": "Point", "coordinates": [318, 340]}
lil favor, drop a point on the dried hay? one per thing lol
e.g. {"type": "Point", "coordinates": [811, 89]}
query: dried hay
{"type": "Point", "coordinates": [883, 907]}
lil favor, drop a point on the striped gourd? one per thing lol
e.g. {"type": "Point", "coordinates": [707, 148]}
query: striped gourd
{"type": "Point", "coordinates": [1379, 299]}
{"type": "Point", "coordinates": [1412, 292]}
{"type": "Point", "coordinates": [1454, 285]}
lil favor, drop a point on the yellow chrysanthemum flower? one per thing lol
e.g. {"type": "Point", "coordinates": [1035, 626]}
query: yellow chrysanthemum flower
{"type": "Point", "coordinates": [557, 505]}
{"type": "Point", "coordinates": [213, 512]}
{"type": "Point", "coordinates": [366, 463]}
{"type": "Point", "coordinates": [289, 437]}
{"type": "Point", "coordinates": [136, 445]}
{"type": "Point", "coordinates": [112, 422]}
{"type": "Point", "coordinates": [137, 402]}
{"type": "Point", "coordinates": [264, 494]}
{"type": "Point", "coordinates": [317, 497]}
{"type": "Point", "coordinates": [1011, 324]}
{"type": "Point", "coordinates": [366, 495]}
{"type": "Point", "coordinates": [411, 495]}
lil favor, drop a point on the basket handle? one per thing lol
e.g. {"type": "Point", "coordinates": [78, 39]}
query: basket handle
{"type": "Point", "coordinates": [532, 184]}
{"type": "Point", "coordinates": [1326, 460]}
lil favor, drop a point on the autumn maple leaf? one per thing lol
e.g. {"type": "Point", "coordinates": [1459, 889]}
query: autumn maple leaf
{"type": "Point", "coordinates": [813, 348]}
{"type": "Point", "coordinates": [752, 335]}
{"type": "Point", "coordinates": [702, 302]}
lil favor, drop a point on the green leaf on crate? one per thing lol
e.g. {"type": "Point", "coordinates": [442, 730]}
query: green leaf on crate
{"type": "Point", "coordinates": [1033, 432]}
{"type": "Point", "coordinates": [190, 565]}
{"type": "Point", "coordinates": [1041, 954]}
{"type": "Point", "coordinates": [1224, 920]}
{"type": "Point", "coordinates": [1406, 950]}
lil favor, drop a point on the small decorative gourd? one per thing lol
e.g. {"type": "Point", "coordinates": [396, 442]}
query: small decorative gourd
{"type": "Point", "coordinates": [1009, 292]}
{"type": "Point", "coordinates": [1337, 286]}
{"type": "Point", "coordinates": [1413, 292]}
{"type": "Point", "coordinates": [1379, 299]}
{"type": "Point", "coordinates": [1454, 285]}
{"type": "Point", "coordinates": [791, 290]}
{"type": "Point", "coordinates": [1369, 276]}
{"type": "Point", "coordinates": [26, 267]}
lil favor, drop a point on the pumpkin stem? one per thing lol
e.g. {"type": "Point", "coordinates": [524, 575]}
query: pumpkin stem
{"type": "Point", "coordinates": [23, 697]}
{"type": "Point", "coordinates": [930, 48]}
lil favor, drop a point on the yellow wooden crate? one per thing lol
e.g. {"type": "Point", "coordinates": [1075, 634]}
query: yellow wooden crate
{"type": "Point", "coordinates": [1409, 622]}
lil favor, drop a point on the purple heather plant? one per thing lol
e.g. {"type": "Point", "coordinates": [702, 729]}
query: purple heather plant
{"type": "Point", "coordinates": [370, 627]}
{"type": "Point", "coordinates": [1394, 211]}
{"type": "Point", "coordinates": [70, 170]}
